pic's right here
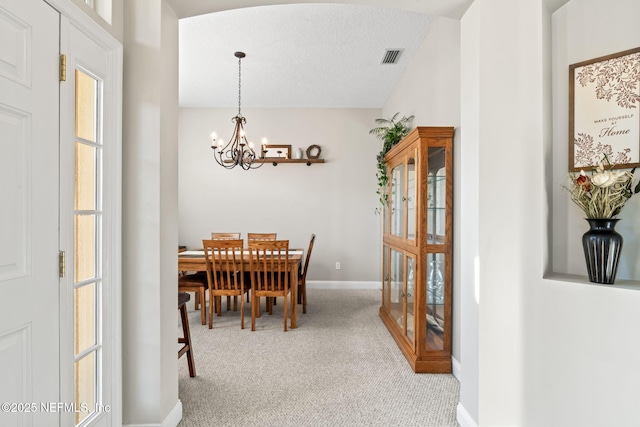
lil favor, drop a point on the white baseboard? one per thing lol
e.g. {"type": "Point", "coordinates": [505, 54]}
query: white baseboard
{"type": "Point", "coordinates": [456, 369]}
{"type": "Point", "coordinates": [328, 284]}
{"type": "Point", "coordinates": [463, 417]}
{"type": "Point", "coordinates": [171, 420]}
{"type": "Point", "coordinates": [174, 417]}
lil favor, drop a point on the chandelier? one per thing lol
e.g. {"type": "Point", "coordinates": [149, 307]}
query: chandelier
{"type": "Point", "coordinates": [237, 152]}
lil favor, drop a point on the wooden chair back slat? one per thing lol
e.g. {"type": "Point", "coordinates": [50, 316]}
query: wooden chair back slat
{"type": "Point", "coordinates": [302, 279]}
{"type": "Point", "coordinates": [261, 236]}
{"type": "Point", "coordinates": [306, 261]}
{"type": "Point", "coordinates": [225, 236]}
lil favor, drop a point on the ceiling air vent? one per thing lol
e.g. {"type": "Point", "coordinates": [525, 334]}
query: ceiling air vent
{"type": "Point", "coordinates": [391, 56]}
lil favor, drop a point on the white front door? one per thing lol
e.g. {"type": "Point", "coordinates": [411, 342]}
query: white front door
{"type": "Point", "coordinates": [89, 228]}
{"type": "Point", "coordinates": [29, 278]}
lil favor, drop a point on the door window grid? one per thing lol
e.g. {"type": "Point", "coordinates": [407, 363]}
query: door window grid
{"type": "Point", "coordinates": [88, 231]}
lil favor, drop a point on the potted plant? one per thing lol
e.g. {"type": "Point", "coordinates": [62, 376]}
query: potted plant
{"type": "Point", "coordinates": [391, 131]}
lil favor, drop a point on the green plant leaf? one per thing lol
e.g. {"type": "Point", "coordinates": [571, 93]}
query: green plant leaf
{"type": "Point", "coordinates": [390, 133]}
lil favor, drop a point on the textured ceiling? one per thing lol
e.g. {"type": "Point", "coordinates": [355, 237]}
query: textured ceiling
{"type": "Point", "coordinates": [298, 55]}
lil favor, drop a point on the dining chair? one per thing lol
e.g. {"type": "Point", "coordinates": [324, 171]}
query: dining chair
{"type": "Point", "coordinates": [228, 236]}
{"type": "Point", "coordinates": [269, 267]}
{"type": "Point", "coordinates": [261, 236]}
{"type": "Point", "coordinates": [224, 236]}
{"type": "Point", "coordinates": [196, 283]}
{"type": "Point", "coordinates": [225, 273]}
{"type": "Point", "coordinates": [257, 237]}
{"type": "Point", "coordinates": [185, 340]}
{"type": "Point", "coordinates": [302, 277]}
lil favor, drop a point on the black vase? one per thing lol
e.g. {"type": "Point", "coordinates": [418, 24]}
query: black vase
{"type": "Point", "coordinates": [602, 246]}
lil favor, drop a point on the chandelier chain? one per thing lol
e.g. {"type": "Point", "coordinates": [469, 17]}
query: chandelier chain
{"type": "Point", "coordinates": [239, 83]}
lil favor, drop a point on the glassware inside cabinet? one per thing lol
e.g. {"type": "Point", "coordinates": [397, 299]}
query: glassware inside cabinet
{"type": "Point", "coordinates": [435, 301]}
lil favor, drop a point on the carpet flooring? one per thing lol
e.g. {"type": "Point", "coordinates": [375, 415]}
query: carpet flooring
{"type": "Point", "coordinates": [340, 367]}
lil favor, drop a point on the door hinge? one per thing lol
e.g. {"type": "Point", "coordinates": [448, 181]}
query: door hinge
{"type": "Point", "coordinates": [62, 265]}
{"type": "Point", "coordinates": [63, 68]}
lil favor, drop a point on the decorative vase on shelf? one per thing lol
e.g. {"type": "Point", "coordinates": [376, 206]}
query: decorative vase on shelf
{"type": "Point", "coordinates": [435, 283]}
{"type": "Point", "coordinates": [602, 246]}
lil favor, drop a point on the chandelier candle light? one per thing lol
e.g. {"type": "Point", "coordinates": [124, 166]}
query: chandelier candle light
{"type": "Point", "coordinates": [237, 152]}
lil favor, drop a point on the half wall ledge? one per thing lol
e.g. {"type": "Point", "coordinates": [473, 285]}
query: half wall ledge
{"type": "Point", "coordinates": [631, 285]}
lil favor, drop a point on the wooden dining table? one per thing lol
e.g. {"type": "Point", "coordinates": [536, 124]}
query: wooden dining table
{"type": "Point", "coordinates": [195, 261]}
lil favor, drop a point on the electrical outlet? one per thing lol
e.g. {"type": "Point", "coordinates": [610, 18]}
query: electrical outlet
{"type": "Point", "coordinates": [337, 265]}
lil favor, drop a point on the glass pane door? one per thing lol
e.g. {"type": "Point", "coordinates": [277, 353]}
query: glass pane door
{"type": "Point", "coordinates": [411, 298]}
{"type": "Point", "coordinates": [411, 199]}
{"type": "Point", "coordinates": [385, 277]}
{"type": "Point", "coordinates": [88, 237]}
{"type": "Point", "coordinates": [436, 196]}
{"type": "Point", "coordinates": [397, 287]}
{"type": "Point", "coordinates": [397, 200]}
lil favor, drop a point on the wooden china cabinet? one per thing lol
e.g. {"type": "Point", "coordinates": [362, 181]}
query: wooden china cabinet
{"type": "Point", "coordinates": [417, 247]}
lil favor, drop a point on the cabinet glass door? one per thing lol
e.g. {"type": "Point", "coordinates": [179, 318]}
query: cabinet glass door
{"type": "Point", "coordinates": [397, 200]}
{"type": "Point", "coordinates": [410, 294]}
{"type": "Point", "coordinates": [385, 277]}
{"type": "Point", "coordinates": [396, 276]}
{"type": "Point", "coordinates": [436, 196]}
{"type": "Point", "coordinates": [411, 199]}
{"type": "Point", "coordinates": [435, 301]}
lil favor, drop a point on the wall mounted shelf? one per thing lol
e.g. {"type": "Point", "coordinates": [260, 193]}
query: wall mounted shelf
{"type": "Point", "coordinates": [276, 161]}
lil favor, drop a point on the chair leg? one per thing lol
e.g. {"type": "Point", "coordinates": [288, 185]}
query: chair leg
{"type": "Point", "coordinates": [186, 340]}
{"type": "Point", "coordinates": [228, 303]}
{"type": "Point", "coordinates": [241, 312]}
{"type": "Point", "coordinates": [203, 306]}
{"type": "Point", "coordinates": [304, 297]}
{"type": "Point", "coordinates": [285, 309]}
{"type": "Point", "coordinates": [212, 304]}
{"type": "Point", "coordinates": [254, 310]}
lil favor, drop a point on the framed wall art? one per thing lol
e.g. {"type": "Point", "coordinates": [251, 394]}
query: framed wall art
{"type": "Point", "coordinates": [604, 116]}
{"type": "Point", "coordinates": [276, 151]}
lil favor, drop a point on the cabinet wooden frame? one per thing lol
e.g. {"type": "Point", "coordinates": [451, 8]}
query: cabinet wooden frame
{"type": "Point", "coordinates": [423, 355]}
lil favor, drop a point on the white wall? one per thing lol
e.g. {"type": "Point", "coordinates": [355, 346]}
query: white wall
{"type": "Point", "coordinates": [467, 208]}
{"type": "Point", "coordinates": [580, 357]}
{"type": "Point", "coordinates": [511, 135]}
{"type": "Point", "coordinates": [582, 30]}
{"type": "Point", "coordinates": [552, 353]}
{"type": "Point", "coordinates": [150, 135]}
{"type": "Point", "coordinates": [430, 90]}
{"type": "Point", "coordinates": [335, 200]}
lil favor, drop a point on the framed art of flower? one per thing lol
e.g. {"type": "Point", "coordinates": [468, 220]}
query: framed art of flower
{"type": "Point", "coordinates": [604, 116]}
